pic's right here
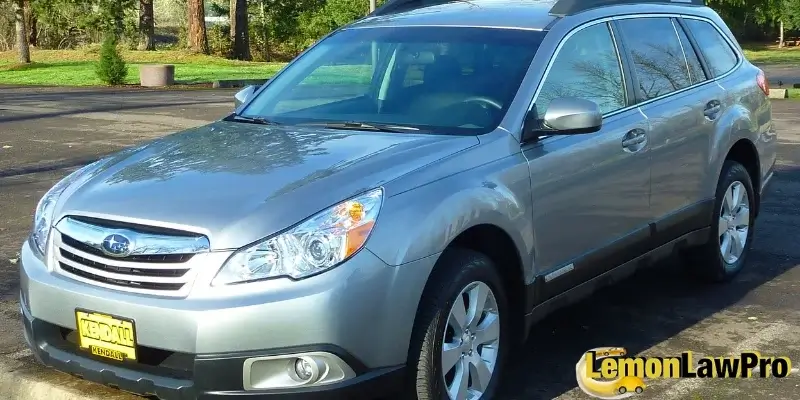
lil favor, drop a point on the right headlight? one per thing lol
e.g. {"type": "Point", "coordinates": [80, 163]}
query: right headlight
{"type": "Point", "coordinates": [43, 217]}
{"type": "Point", "coordinates": [318, 244]}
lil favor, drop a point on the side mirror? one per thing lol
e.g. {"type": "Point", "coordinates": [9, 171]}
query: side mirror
{"type": "Point", "coordinates": [566, 116]}
{"type": "Point", "coordinates": [243, 95]}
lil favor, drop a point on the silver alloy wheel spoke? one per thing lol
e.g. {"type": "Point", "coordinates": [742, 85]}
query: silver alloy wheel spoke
{"type": "Point", "coordinates": [459, 388]}
{"type": "Point", "coordinates": [480, 372]}
{"type": "Point", "coordinates": [734, 222]}
{"type": "Point", "coordinates": [458, 317]}
{"type": "Point", "coordinates": [489, 330]}
{"type": "Point", "coordinates": [451, 354]}
{"type": "Point", "coordinates": [471, 342]}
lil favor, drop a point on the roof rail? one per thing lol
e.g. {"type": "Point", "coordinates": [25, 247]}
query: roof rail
{"type": "Point", "coordinates": [569, 7]}
{"type": "Point", "coordinates": [395, 6]}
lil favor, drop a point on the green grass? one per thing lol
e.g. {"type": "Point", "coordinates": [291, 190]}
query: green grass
{"type": "Point", "coordinates": [771, 54]}
{"type": "Point", "coordinates": [794, 94]}
{"type": "Point", "coordinates": [76, 67]}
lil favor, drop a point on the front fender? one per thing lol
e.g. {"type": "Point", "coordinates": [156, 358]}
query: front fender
{"type": "Point", "coordinates": [425, 220]}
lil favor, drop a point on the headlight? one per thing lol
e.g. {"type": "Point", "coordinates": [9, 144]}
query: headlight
{"type": "Point", "coordinates": [43, 217]}
{"type": "Point", "coordinates": [318, 244]}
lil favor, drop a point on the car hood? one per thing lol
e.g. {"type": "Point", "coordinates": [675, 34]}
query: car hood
{"type": "Point", "coordinates": [238, 182]}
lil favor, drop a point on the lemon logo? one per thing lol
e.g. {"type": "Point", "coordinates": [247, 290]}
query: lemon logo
{"type": "Point", "coordinates": [618, 387]}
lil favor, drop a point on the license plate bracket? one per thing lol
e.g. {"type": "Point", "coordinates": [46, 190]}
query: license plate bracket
{"type": "Point", "coordinates": [106, 335]}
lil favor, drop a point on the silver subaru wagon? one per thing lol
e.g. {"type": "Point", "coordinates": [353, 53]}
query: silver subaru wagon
{"type": "Point", "coordinates": [397, 207]}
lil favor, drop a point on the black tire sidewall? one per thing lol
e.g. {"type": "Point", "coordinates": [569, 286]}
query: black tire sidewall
{"type": "Point", "coordinates": [456, 269]}
{"type": "Point", "coordinates": [717, 268]}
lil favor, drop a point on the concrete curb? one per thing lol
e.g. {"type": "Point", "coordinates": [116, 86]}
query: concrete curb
{"type": "Point", "coordinates": [237, 83]}
{"type": "Point", "coordinates": [24, 379]}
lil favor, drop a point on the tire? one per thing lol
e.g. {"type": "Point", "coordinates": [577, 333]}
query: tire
{"type": "Point", "coordinates": [622, 390]}
{"type": "Point", "coordinates": [707, 261]}
{"type": "Point", "coordinates": [457, 270]}
{"type": "Point", "coordinates": [639, 389]}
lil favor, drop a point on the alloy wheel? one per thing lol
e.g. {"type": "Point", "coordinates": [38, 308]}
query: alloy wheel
{"type": "Point", "coordinates": [471, 342]}
{"type": "Point", "coordinates": [734, 222]}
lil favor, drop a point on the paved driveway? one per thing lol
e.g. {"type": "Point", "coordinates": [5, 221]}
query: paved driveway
{"type": "Point", "coordinates": [45, 133]}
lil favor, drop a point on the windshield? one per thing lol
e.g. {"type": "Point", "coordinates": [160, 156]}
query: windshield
{"type": "Point", "coordinates": [454, 80]}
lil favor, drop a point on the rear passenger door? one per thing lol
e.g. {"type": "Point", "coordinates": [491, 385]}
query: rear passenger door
{"type": "Point", "coordinates": [590, 192]}
{"type": "Point", "coordinates": [682, 106]}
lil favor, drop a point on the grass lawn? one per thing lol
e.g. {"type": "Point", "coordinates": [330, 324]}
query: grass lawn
{"type": "Point", "coordinates": [771, 54]}
{"type": "Point", "coordinates": [77, 67]}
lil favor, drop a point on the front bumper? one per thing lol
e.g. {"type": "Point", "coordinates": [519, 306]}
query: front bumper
{"type": "Point", "coordinates": [195, 347]}
{"type": "Point", "coordinates": [199, 376]}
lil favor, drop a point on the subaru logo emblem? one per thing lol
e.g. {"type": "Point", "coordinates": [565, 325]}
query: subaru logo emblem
{"type": "Point", "coordinates": [116, 245]}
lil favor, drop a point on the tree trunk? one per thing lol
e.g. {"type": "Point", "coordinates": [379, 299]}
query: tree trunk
{"type": "Point", "coordinates": [371, 5]}
{"type": "Point", "coordinates": [146, 25]}
{"type": "Point", "coordinates": [30, 24]}
{"type": "Point", "coordinates": [240, 35]}
{"type": "Point", "coordinates": [198, 40]}
{"type": "Point", "coordinates": [780, 38]}
{"type": "Point", "coordinates": [119, 18]}
{"type": "Point", "coordinates": [22, 36]}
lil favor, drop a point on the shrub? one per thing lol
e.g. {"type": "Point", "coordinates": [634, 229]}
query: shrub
{"type": "Point", "coordinates": [111, 69]}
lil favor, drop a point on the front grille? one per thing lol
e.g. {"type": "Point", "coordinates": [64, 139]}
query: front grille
{"type": "Point", "coordinates": [158, 264]}
{"type": "Point", "coordinates": [150, 258]}
{"type": "Point", "coordinates": [121, 282]}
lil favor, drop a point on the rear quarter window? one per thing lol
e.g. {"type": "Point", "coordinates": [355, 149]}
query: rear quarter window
{"type": "Point", "coordinates": [717, 52]}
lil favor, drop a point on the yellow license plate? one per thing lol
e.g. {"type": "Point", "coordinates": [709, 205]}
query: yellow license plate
{"type": "Point", "coordinates": [106, 336]}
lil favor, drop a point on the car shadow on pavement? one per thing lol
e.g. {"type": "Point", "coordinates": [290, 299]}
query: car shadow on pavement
{"type": "Point", "coordinates": [642, 311]}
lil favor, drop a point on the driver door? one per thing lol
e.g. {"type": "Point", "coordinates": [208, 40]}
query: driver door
{"type": "Point", "coordinates": [590, 192]}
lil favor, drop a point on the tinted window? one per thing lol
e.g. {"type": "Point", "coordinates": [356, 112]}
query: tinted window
{"type": "Point", "coordinates": [657, 56]}
{"type": "Point", "coordinates": [587, 67]}
{"type": "Point", "coordinates": [452, 80]}
{"type": "Point", "coordinates": [718, 53]}
{"type": "Point", "coordinates": [696, 72]}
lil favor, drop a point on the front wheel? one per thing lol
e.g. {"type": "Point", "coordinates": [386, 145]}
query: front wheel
{"type": "Point", "coordinates": [460, 339]}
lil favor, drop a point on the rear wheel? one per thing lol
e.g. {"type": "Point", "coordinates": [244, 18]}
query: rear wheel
{"type": "Point", "coordinates": [724, 255]}
{"type": "Point", "coordinates": [459, 344]}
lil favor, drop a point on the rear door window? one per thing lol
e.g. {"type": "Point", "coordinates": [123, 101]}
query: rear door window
{"type": "Point", "coordinates": [658, 59]}
{"type": "Point", "coordinates": [696, 72]}
{"type": "Point", "coordinates": [716, 50]}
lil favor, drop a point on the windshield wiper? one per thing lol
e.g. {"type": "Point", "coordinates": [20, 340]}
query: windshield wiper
{"type": "Point", "coordinates": [362, 126]}
{"type": "Point", "coordinates": [251, 120]}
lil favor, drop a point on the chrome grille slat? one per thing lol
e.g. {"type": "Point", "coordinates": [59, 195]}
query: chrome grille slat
{"type": "Point", "coordinates": [112, 275]}
{"type": "Point", "coordinates": [117, 262]}
{"type": "Point", "coordinates": [155, 264]}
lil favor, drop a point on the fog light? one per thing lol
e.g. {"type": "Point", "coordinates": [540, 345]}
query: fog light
{"type": "Point", "coordinates": [303, 369]}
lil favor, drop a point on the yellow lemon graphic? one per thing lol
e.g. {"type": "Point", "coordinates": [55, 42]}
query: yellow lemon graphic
{"type": "Point", "coordinates": [619, 388]}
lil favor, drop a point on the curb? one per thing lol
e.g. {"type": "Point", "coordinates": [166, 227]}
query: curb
{"type": "Point", "coordinates": [237, 83]}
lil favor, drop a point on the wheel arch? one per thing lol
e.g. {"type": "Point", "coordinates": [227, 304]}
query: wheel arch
{"type": "Point", "coordinates": [744, 152]}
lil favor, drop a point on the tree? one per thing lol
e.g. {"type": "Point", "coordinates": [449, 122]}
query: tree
{"type": "Point", "coordinates": [146, 25]}
{"type": "Point", "coordinates": [111, 69]}
{"type": "Point", "coordinates": [31, 24]}
{"type": "Point", "coordinates": [239, 30]}
{"type": "Point", "coordinates": [198, 40]}
{"type": "Point", "coordinates": [22, 36]}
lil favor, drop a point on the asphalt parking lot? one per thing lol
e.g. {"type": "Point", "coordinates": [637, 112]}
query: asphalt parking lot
{"type": "Point", "coordinates": [45, 133]}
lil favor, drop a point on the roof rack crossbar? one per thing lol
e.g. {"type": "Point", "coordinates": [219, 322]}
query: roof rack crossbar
{"type": "Point", "coordinates": [569, 7]}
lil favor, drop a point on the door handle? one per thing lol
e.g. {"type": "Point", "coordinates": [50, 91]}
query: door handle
{"type": "Point", "coordinates": [633, 139]}
{"type": "Point", "coordinates": [713, 108]}
{"type": "Point", "coordinates": [638, 139]}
